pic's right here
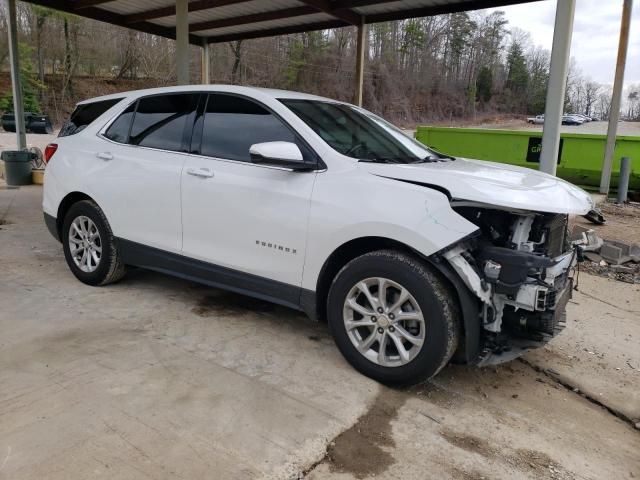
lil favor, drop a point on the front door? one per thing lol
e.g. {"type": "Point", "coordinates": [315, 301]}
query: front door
{"type": "Point", "coordinates": [240, 216]}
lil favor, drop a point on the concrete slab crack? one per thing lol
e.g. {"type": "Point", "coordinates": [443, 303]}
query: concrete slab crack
{"type": "Point", "coordinates": [571, 388]}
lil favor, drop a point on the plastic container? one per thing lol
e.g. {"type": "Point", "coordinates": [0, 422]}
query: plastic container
{"type": "Point", "coordinates": [17, 167]}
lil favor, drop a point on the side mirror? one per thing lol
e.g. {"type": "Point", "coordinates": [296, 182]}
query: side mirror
{"type": "Point", "coordinates": [278, 154]}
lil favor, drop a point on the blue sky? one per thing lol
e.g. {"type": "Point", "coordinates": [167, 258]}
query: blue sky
{"type": "Point", "coordinates": [596, 31]}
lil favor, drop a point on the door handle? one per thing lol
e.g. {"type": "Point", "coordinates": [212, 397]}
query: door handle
{"type": "Point", "coordinates": [200, 172]}
{"type": "Point", "coordinates": [105, 155]}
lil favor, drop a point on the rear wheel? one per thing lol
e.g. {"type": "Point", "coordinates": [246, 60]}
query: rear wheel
{"type": "Point", "coordinates": [89, 246]}
{"type": "Point", "coordinates": [393, 318]}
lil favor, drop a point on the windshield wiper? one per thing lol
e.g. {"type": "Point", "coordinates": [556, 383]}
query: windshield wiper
{"type": "Point", "coordinates": [406, 160]}
{"type": "Point", "coordinates": [381, 160]}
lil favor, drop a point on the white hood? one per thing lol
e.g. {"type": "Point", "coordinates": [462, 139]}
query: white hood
{"type": "Point", "coordinates": [492, 183]}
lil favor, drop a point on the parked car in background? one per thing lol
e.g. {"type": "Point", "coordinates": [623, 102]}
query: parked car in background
{"type": "Point", "coordinates": [580, 115]}
{"type": "Point", "coordinates": [537, 120]}
{"type": "Point", "coordinates": [571, 120]}
{"type": "Point", "coordinates": [411, 255]}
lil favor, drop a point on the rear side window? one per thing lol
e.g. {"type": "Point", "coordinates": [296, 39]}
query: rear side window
{"type": "Point", "coordinates": [232, 124]}
{"type": "Point", "coordinates": [84, 114]}
{"type": "Point", "coordinates": [160, 120]}
{"type": "Point", "coordinates": [118, 131]}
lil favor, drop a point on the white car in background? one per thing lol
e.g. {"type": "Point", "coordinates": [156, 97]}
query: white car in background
{"type": "Point", "coordinates": [411, 255]}
{"type": "Point", "coordinates": [581, 116]}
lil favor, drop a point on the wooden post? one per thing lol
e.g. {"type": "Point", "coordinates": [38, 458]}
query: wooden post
{"type": "Point", "coordinates": [205, 67]}
{"type": "Point", "coordinates": [182, 41]}
{"type": "Point", "coordinates": [616, 97]}
{"type": "Point", "coordinates": [360, 49]}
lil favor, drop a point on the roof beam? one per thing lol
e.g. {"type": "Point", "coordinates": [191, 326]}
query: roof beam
{"type": "Point", "coordinates": [272, 32]}
{"type": "Point", "coordinates": [171, 10]}
{"type": "Point", "coordinates": [252, 18]}
{"type": "Point", "coordinates": [114, 19]}
{"type": "Point", "coordinates": [342, 14]}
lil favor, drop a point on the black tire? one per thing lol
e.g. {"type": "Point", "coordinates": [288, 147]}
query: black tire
{"type": "Point", "coordinates": [110, 268]}
{"type": "Point", "coordinates": [433, 295]}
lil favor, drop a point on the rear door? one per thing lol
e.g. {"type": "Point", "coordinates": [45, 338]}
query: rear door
{"type": "Point", "coordinates": [239, 215]}
{"type": "Point", "coordinates": [140, 159]}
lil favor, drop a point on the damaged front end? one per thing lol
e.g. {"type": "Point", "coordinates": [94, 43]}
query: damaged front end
{"type": "Point", "coordinates": [520, 267]}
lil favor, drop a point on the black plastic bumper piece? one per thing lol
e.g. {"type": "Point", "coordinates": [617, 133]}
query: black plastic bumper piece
{"type": "Point", "coordinates": [516, 266]}
{"type": "Point", "coordinates": [52, 226]}
{"type": "Point", "coordinates": [471, 308]}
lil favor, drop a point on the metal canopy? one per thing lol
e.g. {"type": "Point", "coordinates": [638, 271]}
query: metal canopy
{"type": "Point", "coordinates": [213, 21]}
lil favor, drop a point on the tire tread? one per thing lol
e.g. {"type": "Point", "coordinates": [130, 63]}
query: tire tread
{"type": "Point", "coordinates": [442, 290]}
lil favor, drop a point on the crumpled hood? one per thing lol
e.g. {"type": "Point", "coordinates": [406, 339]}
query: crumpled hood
{"type": "Point", "coordinates": [492, 183]}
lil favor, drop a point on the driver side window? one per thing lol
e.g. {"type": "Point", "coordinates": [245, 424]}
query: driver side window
{"type": "Point", "coordinates": [231, 124]}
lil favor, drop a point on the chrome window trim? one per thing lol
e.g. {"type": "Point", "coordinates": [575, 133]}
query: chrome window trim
{"type": "Point", "coordinates": [105, 127]}
{"type": "Point", "coordinates": [207, 157]}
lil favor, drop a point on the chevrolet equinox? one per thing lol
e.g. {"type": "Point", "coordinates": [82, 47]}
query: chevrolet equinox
{"type": "Point", "coordinates": [412, 256]}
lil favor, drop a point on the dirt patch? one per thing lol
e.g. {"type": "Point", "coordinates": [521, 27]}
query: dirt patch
{"type": "Point", "coordinates": [363, 449]}
{"type": "Point", "coordinates": [622, 225]}
{"type": "Point", "coordinates": [459, 474]}
{"type": "Point", "coordinates": [541, 464]}
{"type": "Point", "coordinates": [228, 303]}
{"type": "Point", "coordinates": [470, 443]}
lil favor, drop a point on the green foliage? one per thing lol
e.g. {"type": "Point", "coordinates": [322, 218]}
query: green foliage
{"type": "Point", "coordinates": [461, 28]}
{"type": "Point", "coordinates": [414, 36]}
{"type": "Point", "coordinates": [29, 81]}
{"type": "Point", "coordinates": [518, 75]}
{"type": "Point", "coordinates": [295, 65]}
{"type": "Point", "coordinates": [484, 85]}
{"type": "Point", "coordinates": [302, 53]}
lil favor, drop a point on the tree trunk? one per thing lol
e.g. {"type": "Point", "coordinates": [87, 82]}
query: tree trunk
{"type": "Point", "coordinates": [236, 48]}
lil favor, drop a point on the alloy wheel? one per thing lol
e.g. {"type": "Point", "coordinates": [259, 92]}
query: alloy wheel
{"type": "Point", "coordinates": [384, 322]}
{"type": "Point", "coordinates": [85, 244]}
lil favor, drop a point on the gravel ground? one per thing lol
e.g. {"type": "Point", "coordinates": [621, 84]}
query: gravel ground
{"type": "Point", "coordinates": [623, 225]}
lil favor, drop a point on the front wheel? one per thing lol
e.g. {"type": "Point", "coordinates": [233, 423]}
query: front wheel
{"type": "Point", "coordinates": [89, 245]}
{"type": "Point", "coordinates": [393, 318]}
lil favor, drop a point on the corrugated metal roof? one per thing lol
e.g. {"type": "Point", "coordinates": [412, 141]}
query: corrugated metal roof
{"type": "Point", "coordinates": [224, 20]}
{"type": "Point", "coordinates": [127, 7]}
{"type": "Point", "coordinates": [231, 11]}
{"type": "Point", "coordinates": [406, 4]}
{"type": "Point", "coordinates": [285, 22]}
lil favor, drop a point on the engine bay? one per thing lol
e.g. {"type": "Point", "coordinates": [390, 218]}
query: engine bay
{"type": "Point", "coordinates": [520, 266]}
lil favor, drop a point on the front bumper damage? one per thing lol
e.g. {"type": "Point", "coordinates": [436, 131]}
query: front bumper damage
{"type": "Point", "coordinates": [523, 282]}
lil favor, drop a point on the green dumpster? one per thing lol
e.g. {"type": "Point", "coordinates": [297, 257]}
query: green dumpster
{"type": "Point", "coordinates": [17, 167]}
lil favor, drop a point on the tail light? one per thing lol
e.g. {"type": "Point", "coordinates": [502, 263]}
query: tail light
{"type": "Point", "coordinates": [49, 150]}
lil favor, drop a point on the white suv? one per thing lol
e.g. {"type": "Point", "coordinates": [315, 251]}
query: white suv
{"type": "Point", "coordinates": [411, 255]}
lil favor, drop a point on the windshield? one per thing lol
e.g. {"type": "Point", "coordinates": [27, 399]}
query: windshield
{"type": "Point", "coordinates": [359, 134]}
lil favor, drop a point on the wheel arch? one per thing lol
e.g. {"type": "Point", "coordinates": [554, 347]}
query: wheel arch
{"type": "Point", "coordinates": [65, 205]}
{"type": "Point", "coordinates": [469, 347]}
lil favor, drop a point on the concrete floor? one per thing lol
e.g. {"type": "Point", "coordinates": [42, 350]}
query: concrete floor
{"type": "Point", "coordinates": [160, 378]}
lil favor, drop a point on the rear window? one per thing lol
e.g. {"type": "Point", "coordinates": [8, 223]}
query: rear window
{"type": "Point", "coordinates": [84, 114]}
